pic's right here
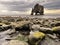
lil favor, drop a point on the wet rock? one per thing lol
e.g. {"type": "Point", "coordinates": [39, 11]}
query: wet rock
{"type": "Point", "coordinates": [24, 29]}
{"type": "Point", "coordinates": [6, 27]}
{"type": "Point", "coordinates": [36, 37]}
{"type": "Point", "coordinates": [1, 24]}
{"type": "Point", "coordinates": [16, 42]}
{"type": "Point", "coordinates": [21, 38]}
{"type": "Point", "coordinates": [12, 32]}
{"type": "Point", "coordinates": [52, 36]}
{"type": "Point", "coordinates": [1, 29]}
{"type": "Point", "coordinates": [56, 23]}
{"type": "Point", "coordinates": [35, 27]}
{"type": "Point", "coordinates": [56, 30]}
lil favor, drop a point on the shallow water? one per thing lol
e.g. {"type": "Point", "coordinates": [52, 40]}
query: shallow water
{"type": "Point", "coordinates": [3, 36]}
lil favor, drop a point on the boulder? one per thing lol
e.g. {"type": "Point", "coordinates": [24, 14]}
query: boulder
{"type": "Point", "coordinates": [1, 29]}
{"type": "Point", "coordinates": [16, 42]}
{"type": "Point", "coordinates": [36, 37]}
{"type": "Point", "coordinates": [24, 28]}
{"type": "Point", "coordinates": [35, 27]}
{"type": "Point", "coordinates": [56, 30]}
{"type": "Point", "coordinates": [6, 27]}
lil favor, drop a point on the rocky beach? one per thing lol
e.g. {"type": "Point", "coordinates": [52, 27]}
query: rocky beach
{"type": "Point", "coordinates": [29, 31]}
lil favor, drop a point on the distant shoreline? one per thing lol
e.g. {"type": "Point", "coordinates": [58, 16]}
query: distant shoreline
{"type": "Point", "coordinates": [31, 16]}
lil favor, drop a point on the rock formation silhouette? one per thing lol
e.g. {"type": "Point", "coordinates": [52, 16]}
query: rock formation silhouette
{"type": "Point", "coordinates": [38, 9]}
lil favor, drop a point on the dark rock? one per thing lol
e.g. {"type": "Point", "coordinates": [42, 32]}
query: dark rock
{"type": "Point", "coordinates": [1, 29]}
{"type": "Point", "coordinates": [7, 27]}
{"type": "Point", "coordinates": [25, 29]}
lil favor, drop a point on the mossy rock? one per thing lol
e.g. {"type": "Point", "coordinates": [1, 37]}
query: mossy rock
{"type": "Point", "coordinates": [36, 37]}
{"type": "Point", "coordinates": [56, 28]}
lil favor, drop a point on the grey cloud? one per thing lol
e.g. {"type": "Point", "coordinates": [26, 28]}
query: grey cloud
{"type": "Point", "coordinates": [53, 5]}
{"type": "Point", "coordinates": [12, 3]}
{"type": "Point", "coordinates": [18, 6]}
{"type": "Point", "coordinates": [24, 6]}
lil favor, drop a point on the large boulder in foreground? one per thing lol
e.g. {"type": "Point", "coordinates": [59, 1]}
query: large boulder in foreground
{"type": "Point", "coordinates": [35, 38]}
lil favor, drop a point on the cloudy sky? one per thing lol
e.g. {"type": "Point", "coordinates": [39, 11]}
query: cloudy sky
{"type": "Point", "coordinates": [17, 7]}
